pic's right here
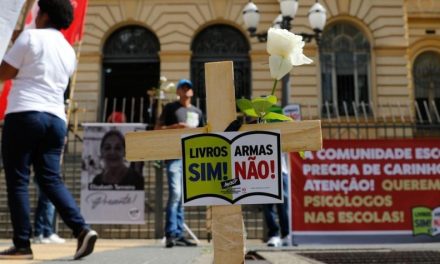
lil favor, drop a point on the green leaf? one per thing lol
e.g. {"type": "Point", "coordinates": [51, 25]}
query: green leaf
{"type": "Point", "coordinates": [276, 116]}
{"type": "Point", "coordinates": [261, 107]}
{"type": "Point", "coordinates": [246, 107]}
{"type": "Point", "coordinates": [272, 99]}
{"type": "Point", "coordinates": [262, 104]}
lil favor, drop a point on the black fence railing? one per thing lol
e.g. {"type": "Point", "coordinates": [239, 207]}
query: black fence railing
{"type": "Point", "coordinates": [156, 193]}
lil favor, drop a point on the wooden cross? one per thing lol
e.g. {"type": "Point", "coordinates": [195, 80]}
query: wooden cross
{"type": "Point", "coordinates": [227, 220]}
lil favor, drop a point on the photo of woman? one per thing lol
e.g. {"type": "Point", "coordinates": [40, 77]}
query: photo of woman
{"type": "Point", "coordinates": [115, 173]}
{"type": "Point", "coordinates": [112, 189]}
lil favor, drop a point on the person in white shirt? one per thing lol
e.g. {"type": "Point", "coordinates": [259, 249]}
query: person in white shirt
{"type": "Point", "coordinates": [40, 62]}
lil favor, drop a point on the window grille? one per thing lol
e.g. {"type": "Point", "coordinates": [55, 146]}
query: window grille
{"type": "Point", "coordinates": [345, 70]}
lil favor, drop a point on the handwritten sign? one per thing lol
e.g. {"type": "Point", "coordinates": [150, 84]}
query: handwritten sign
{"type": "Point", "coordinates": [112, 189]}
{"type": "Point", "coordinates": [232, 168]}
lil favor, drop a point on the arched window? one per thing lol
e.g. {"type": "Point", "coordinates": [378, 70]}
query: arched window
{"type": "Point", "coordinates": [220, 43]}
{"type": "Point", "coordinates": [131, 66]}
{"type": "Point", "coordinates": [426, 75]}
{"type": "Point", "coordinates": [345, 70]}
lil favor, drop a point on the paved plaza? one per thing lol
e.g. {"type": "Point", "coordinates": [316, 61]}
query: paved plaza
{"type": "Point", "coordinates": [137, 251]}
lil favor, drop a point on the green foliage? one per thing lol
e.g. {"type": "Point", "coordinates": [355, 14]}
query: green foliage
{"type": "Point", "coordinates": [276, 116]}
{"type": "Point", "coordinates": [261, 108]}
{"type": "Point", "coordinates": [246, 107]}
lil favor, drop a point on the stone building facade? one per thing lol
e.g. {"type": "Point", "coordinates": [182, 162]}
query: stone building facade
{"type": "Point", "coordinates": [371, 54]}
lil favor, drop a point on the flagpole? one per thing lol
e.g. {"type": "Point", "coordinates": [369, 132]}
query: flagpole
{"type": "Point", "coordinates": [29, 4]}
{"type": "Point", "coordinates": [70, 104]}
{"type": "Point", "coordinates": [68, 114]}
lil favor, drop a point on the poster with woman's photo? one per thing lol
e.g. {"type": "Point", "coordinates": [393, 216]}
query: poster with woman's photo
{"type": "Point", "coordinates": [112, 189]}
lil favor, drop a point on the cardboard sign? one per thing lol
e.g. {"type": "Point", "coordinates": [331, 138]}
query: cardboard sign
{"type": "Point", "coordinates": [232, 168]}
{"type": "Point", "coordinates": [104, 201]}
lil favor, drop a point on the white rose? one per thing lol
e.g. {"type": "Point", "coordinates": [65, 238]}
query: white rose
{"type": "Point", "coordinates": [170, 87]}
{"type": "Point", "coordinates": [286, 51]}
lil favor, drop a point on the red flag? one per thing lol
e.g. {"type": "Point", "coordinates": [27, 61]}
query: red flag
{"type": "Point", "coordinates": [73, 34]}
{"type": "Point", "coordinates": [76, 30]}
{"type": "Point", "coordinates": [4, 98]}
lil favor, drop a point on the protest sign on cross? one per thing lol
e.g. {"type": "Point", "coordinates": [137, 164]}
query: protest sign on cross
{"type": "Point", "coordinates": [227, 220]}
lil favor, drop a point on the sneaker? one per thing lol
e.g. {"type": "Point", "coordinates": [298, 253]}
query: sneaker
{"type": "Point", "coordinates": [17, 253]}
{"type": "Point", "coordinates": [286, 241]}
{"type": "Point", "coordinates": [53, 239]}
{"type": "Point", "coordinates": [183, 242]}
{"type": "Point", "coordinates": [170, 242]}
{"type": "Point", "coordinates": [38, 239]}
{"type": "Point", "coordinates": [274, 241]}
{"type": "Point", "coordinates": [86, 243]}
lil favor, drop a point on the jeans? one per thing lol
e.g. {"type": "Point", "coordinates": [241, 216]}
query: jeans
{"type": "Point", "coordinates": [35, 138]}
{"type": "Point", "coordinates": [174, 211]}
{"type": "Point", "coordinates": [44, 216]}
{"type": "Point", "coordinates": [283, 213]}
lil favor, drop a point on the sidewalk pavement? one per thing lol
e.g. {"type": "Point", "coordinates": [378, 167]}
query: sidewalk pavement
{"type": "Point", "coordinates": [139, 251]}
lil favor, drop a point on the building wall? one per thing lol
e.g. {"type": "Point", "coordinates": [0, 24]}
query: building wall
{"type": "Point", "coordinates": [396, 30]}
{"type": "Point", "coordinates": [423, 30]}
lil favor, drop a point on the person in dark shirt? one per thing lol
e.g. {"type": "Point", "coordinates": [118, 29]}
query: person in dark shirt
{"type": "Point", "coordinates": [178, 114]}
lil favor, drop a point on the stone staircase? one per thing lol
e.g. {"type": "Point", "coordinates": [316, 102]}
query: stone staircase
{"type": "Point", "coordinates": [195, 217]}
